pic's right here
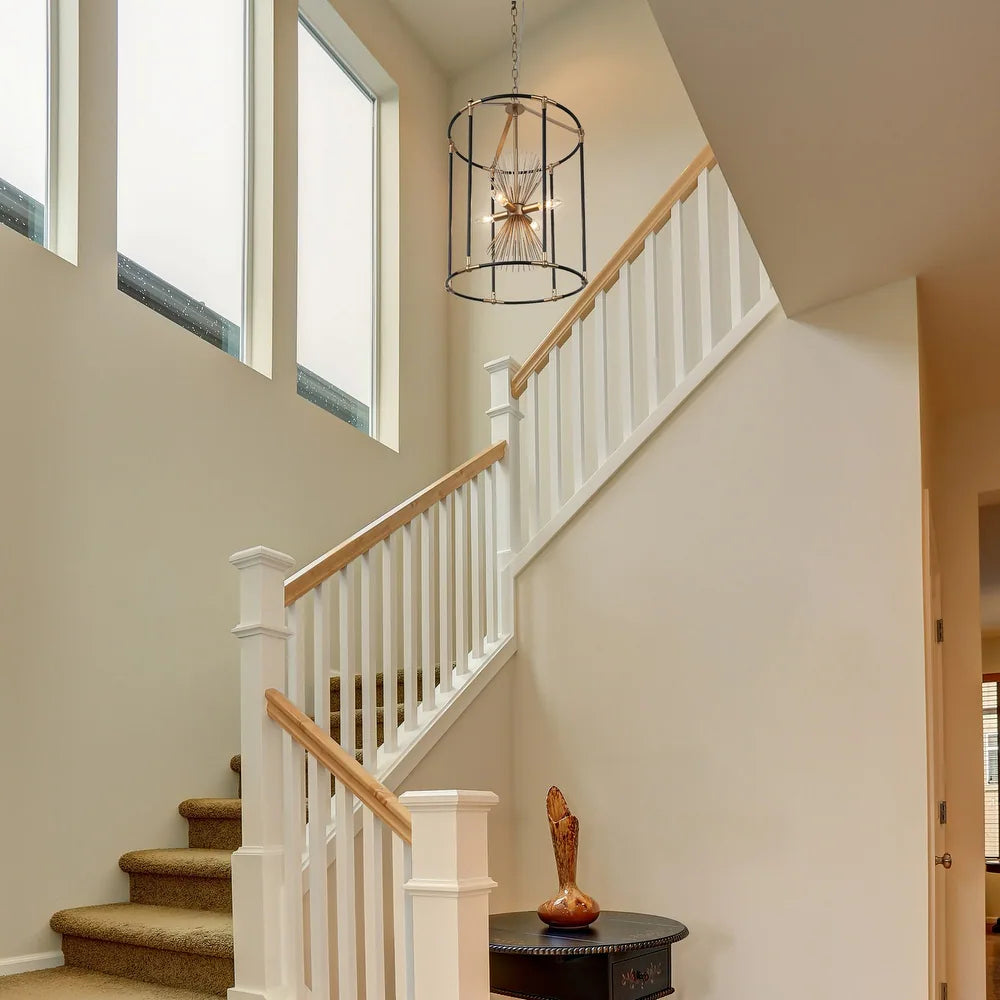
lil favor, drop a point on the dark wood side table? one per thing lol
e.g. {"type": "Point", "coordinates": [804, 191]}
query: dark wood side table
{"type": "Point", "coordinates": [623, 956]}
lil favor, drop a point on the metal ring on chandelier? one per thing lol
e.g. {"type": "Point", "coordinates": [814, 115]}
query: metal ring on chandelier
{"type": "Point", "coordinates": [449, 284]}
{"type": "Point", "coordinates": [492, 100]}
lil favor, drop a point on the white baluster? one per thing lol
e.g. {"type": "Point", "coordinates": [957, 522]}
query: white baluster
{"type": "Point", "coordinates": [402, 918]}
{"type": "Point", "coordinates": [535, 510]}
{"type": "Point", "coordinates": [677, 271]}
{"type": "Point", "coordinates": [461, 544]}
{"type": "Point", "coordinates": [601, 406]}
{"type": "Point", "coordinates": [476, 566]}
{"type": "Point", "coordinates": [628, 373]}
{"type": "Point", "coordinates": [735, 264]}
{"type": "Point", "coordinates": [652, 325]}
{"type": "Point", "coordinates": [319, 796]}
{"type": "Point", "coordinates": [373, 860]}
{"type": "Point", "coordinates": [294, 767]}
{"type": "Point", "coordinates": [449, 891]}
{"type": "Point", "coordinates": [427, 607]}
{"type": "Point", "coordinates": [258, 864]}
{"type": "Point", "coordinates": [555, 432]}
{"type": "Point", "coordinates": [446, 598]}
{"type": "Point", "coordinates": [505, 425]}
{"type": "Point", "coordinates": [705, 264]}
{"type": "Point", "coordinates": [409, 630]}
{"type": "Point", "coordinates": [347, 963]}
{"type": "Point", "coordinates": [490, 545]}
{"type": "Point", "coordinates": [576, 401]}
{"type": "Point", "coordinates": [390, 709]}
{"type": "Point", "coordinates": [369, 698]}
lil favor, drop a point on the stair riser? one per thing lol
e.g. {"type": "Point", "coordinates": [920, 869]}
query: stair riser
{"type": "Point", "coordinates": [184, 891]}
{"type": "Point", "coordinates": [151, 965]}
{"type": "Point", "coordinates": [221, 834]}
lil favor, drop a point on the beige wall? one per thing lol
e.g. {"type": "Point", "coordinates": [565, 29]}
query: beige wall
{"type": "Point", "coordinates": [721, 664]}
{"type": "Point", "coordinates": [608, 63]}
{"type": "Point", "coordinates": [137, 458]}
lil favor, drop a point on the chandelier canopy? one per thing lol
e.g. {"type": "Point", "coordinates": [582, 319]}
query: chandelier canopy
{"type": "Point", "coordinates": [507, 154]}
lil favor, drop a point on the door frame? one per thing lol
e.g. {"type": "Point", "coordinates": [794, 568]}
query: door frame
{"type": "Point", "coordinates": [937, 832]}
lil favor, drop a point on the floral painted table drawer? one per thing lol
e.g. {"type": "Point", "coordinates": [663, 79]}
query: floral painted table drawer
{"type": "Point", "coordinates": [623, 956]}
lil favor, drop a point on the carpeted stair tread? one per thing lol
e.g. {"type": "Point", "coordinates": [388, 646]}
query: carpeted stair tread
{"type": "Point", "coordinates": [190, 862]}
{"type": "Point", "coordinates": [164, 928]}
{"type": "Point", "coordinates": [70, 983]}
{"type": "Point", "coordinates": [211, 809]}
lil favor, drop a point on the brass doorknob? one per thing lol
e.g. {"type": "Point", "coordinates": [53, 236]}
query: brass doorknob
{"type": "Point", "coordinates": [944, 860]}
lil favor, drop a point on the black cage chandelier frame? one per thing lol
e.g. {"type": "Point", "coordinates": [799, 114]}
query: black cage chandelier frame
{"type": "Point", "coordinates": [523, 203]}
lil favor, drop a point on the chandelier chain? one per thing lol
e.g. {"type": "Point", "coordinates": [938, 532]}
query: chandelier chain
{"type": "Point", "coordinates": [515, 56]}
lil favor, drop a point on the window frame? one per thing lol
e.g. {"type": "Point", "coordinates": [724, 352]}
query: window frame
{"type": "Point", "coordinates": [17, 207]}
{"type": "Point", "coordinates": [175, 304]}
{"type": "Point", "coordinates": [317, 387]}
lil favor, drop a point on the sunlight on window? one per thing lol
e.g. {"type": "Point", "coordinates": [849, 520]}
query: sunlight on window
{"type": "Point", "coordinates": [181, 154]}
{"type": "Point", "coordinates": [336, 231]}
{"type": "Point", "coordinates": [23, 114]}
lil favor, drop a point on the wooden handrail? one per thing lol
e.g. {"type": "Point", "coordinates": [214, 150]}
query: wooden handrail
{"type": "Point", "coordinates": [339, 763]}
{"type": "Point", "coordinates": [606, 278]}
{"type": "Point", "coordinates": [367, 538]}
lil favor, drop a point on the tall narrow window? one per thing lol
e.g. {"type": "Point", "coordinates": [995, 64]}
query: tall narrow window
{"type": "Point", "coordinates": [181, 162]}
{"type": "Point", "coordinates": [990, 784]}
{"type": "Point", "coordinates": [24, 116]}
{"type": "Point", "coordinates": [336, 292]}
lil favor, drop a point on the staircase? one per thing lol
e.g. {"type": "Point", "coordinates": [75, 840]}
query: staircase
{"type": "Point", "coordinates": [173, 940]}
{"type": "Point", "coordinates": [430, 582]}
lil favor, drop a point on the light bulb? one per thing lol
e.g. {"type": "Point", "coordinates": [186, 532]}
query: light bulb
{"type": "Point", "coordinates": [553, 203]}
{"type": "Point", "coordinates": [535, 225]}
{"type": "Point", "coordinates": [485, 219]}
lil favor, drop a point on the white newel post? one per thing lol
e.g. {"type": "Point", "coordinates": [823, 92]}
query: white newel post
{"type": "Point", "coordinates": [505, 420]}
{"type": "Point", "coordinates": [258, 864]}
{"type": "Point", "coordinates": [449, 894]}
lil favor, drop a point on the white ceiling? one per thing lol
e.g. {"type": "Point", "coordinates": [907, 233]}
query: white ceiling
{"type": "Point", "coordinates": [860, 138]}
{"type": "Point", "coordinates": [459, 33]}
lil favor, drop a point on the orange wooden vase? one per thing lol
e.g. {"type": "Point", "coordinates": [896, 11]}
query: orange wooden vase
{"type": "Point", "coordinates": [571, 907]}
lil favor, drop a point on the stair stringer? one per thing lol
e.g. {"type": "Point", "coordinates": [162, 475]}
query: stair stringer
{"type": "Point", "coordinates": [659, 416]}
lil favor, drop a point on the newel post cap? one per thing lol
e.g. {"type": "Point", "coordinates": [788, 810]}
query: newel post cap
{"type": "Point", "coordinates": [449, 801]}
{"type": "Point", "coordinates": [260, 555]}
{"type": "Point", "coordinates": [504, 364]}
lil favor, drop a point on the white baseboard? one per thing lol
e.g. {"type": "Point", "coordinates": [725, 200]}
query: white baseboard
{"type": "Point", "coordinates": [30, 963]}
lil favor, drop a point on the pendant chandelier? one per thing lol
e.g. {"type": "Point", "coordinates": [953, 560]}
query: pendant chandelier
{"type": "Point", "coordinates": [507, 156]}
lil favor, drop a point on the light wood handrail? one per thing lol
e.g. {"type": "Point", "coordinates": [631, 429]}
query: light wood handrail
{"type": "Point", "coordinates": [606, 278]}
{"type": "Point", "coordinates": [367, 538]}
{"type": "Point", "coordinates": [339, 763]}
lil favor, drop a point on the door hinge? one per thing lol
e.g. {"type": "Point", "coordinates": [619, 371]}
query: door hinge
{"type": "Point", "coordinates": [944, 991]}
{"type": "Point", "coordinates": [939, 630]}
{"type": "Point", "coordinates": [942, 812]}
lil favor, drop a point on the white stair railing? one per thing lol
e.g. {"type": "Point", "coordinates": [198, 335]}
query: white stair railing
{"type": "Point", "coordinates": [433, 942]}
{"type": "Point", "coordinates": [682, 291]}
{"type": "Point", "coordinates": [413, 595]}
